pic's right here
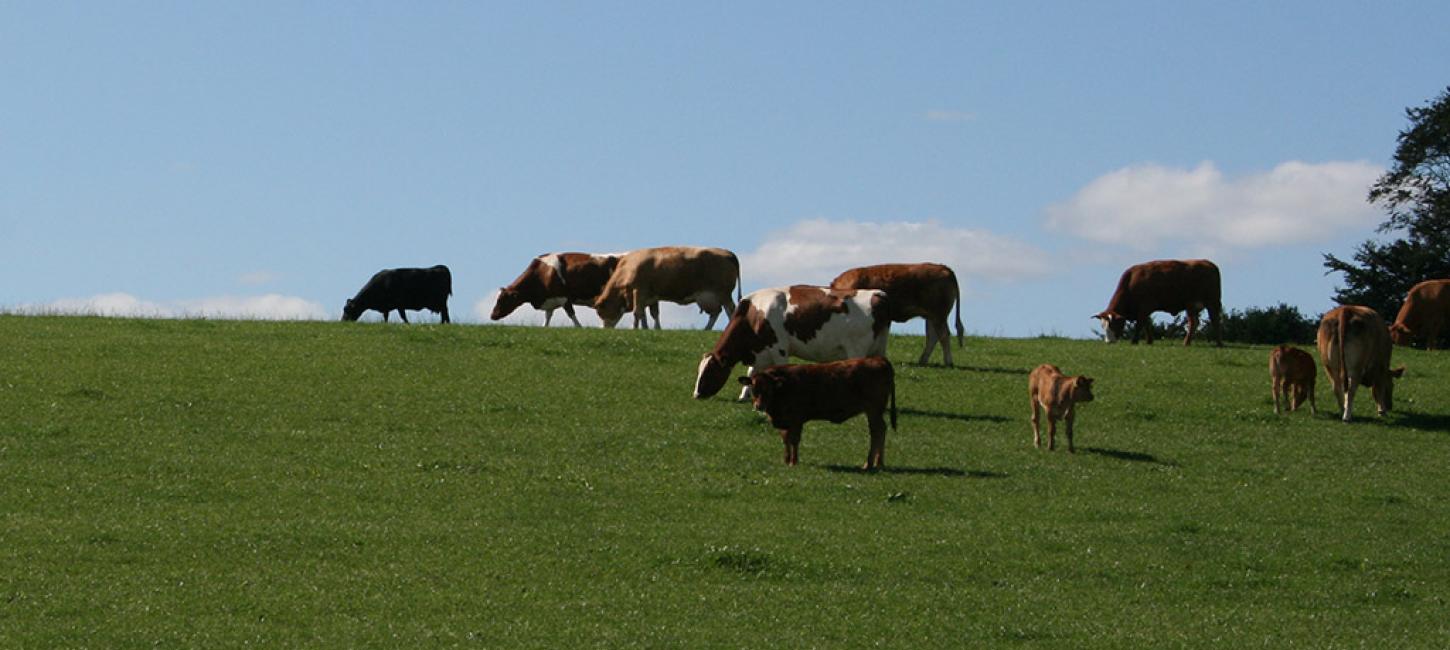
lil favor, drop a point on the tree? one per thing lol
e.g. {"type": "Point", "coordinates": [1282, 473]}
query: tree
{"type": "Point", "coordinates": [1416, 194]}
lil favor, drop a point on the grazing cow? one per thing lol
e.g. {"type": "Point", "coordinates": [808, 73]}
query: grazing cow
{"type": "Point", "coordinates": [791, 396]}
{"type": "Point", "coordinates": [1169, 286]}
{"type": "Point", "coordinates": [1354, 346]}
{"type": "Point", "coordinates": [556, 280]}
{"type": "Point", "coordinates": [678, 274]}
{"type": "Point", "coordinates": [813, 323]}
{"type": "Point", "coordinates": [916, 290]}
{"type": "Point", "coordinates": [1292, 372]}
{"type": "Point", "coordinates": [403, 289]}
{"type": "Point", "coordinates": [1059, 394]}
{"type": "Point", "coordinates": [1425, 311]}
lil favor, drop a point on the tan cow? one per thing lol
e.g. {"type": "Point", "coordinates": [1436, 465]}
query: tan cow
{"type": "Point", "coordinates": [1170, 286]}
{"type": "Point", "coordinates": [1059, 395]}
{"type": "Point", "coordinates": [1354, 346]}
{"type": "Point", "coordinates": [915, 291]}
{"type": "Point", "coordinates": [677, 274]}
{"type": "Point", "coordinates": [1292, 372]}
{"type": "Point", "coordinates": [1426, 308]}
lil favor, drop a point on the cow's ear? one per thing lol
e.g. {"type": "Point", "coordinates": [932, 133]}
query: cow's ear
{"type": "Point", "coordinates": [1099, 316]}
{"type": "Point", "coordinates": [1085, 381]}
{"type": "Point", "coordinates": [1398, 372]}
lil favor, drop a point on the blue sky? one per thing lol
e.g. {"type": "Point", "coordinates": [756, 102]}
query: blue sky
{"type": "Point", "coordinates": [265, 159]}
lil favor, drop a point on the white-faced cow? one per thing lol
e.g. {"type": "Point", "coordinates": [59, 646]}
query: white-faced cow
{"type": "Point", "coordinates": [1354, 346]}
{"type": "Point", "coordinates": [556, 280]}
{"type": "Point", "coordinates": [791, 396]}
{"type": "Point", "coordinates": [812, 323]}
{"type": "Point", "coordinates": [916, 290]}
{"type": "Point", "coordinates": [678, 274]}
{"type": "Point", "coordinates": [403, 289]}
{"type": "Point", "coordinates": [1170, 286]}
{"type": "Point", "coordinates": [1425, 311]}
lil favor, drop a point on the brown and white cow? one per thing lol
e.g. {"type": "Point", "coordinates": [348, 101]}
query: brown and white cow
{"type": "Point", "coordinates": [917, 290]}
{"type": "Point", "coordinates": [1059, 395]}
{"type": "Point", "coordinates": [1354, 346]}
{"type": "Point", "coordinates": [1170, 286]}
{"type": "Point", "coordinates": [812, 323]}
{"type": "Point", "coordinates": [1292, 372]}
{"type": "Point", "coordinates": [1426, 308]}
{"type": "Point", "coordinates": [791, 396]}
{"type": "Point", "coordinates": [555, 280]}
{"type": "Point", "coordinates": [678, 274]}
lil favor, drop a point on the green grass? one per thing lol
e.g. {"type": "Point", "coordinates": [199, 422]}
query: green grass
{"type": "Point", "coordinates": [214, 484]}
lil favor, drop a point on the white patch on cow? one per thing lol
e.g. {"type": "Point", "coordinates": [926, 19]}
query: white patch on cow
{"type": "Point", "coordinates": [554, 262]}
{"type": "Point", "coordinates": [700, 374]}
{"type": "Point", "coordinates": [553, 303]}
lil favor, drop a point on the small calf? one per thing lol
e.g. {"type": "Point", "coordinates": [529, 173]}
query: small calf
{"type": "Point", "coordinates": [1059, 394]}
{"type": "Point", "coordinates": [790, 396]}
{"type": "Point", "coordinates": [1292, 371]}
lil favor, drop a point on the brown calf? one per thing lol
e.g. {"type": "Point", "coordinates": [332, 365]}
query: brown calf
{"type": "Point", "coordinates": [1059, 394]}
{"type": "Point", "coordinates": [790, 396]}
{"type": "Point", "coordinates": [1292, 371]}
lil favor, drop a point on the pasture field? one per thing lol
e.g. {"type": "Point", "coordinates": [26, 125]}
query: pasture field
{"type": "Point", "coordinates": [204, 483]}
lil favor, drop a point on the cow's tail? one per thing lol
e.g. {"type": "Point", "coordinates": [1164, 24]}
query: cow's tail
{"type": "Point", "coordinates": [739, 284]}
{"type": "Point", "coordinates": [960, 334]}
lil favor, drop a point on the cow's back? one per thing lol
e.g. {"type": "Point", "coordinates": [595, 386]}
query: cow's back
{"type": "Point", "coordinates": [1428, 300]}
{"type": "Point", "coordinates": [1168, 285]}
{"type": "Point", "coordinates": [923, 290]}
{"type": "Point", "coordinates": [821, 324]}
{"type": "Point", "coordinates": [1363, 352]}
{"type": "Point", "coordinates": [677, 272]}
{"type": "Point", "coordinates": [835, 391]}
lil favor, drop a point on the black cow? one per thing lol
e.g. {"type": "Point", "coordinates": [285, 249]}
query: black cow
{"type": "Point", "coordinates": [402, 289]}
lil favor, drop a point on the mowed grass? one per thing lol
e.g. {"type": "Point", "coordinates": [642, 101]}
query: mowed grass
{"type": "Point", "coordinates": [215, 484]}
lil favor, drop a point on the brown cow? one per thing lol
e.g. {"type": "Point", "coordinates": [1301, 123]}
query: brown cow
{"type": "Point", "coordinates": [1170, 286]}
{"type": "Point", "coordinates": [1426, 308]}
{"type": "Point", "coordinates": [1059, 394]}
{"type": "Point", "coordinates": [678, 274]}
{"type": "Point", "coordinates": [914, 290]}
{"type": "Point", "coordinates": [556, 280]}
{"type": "Point", "coordinates": [1292, 372]}
{"type": "Point", "coordinates": [1354, 346]}
{"type": "Point", "coordinates": [837, 391]}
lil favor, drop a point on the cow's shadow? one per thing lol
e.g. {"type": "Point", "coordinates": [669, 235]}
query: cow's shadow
{"type": "Point", "coordinates": [949, 472]}
{"type": "Point", "coordinates": [953, 416]}
{"type": "Point", "coordinates": [1131, 456]}
{"type": "Point", "coordinates": [988, 369]}
{"type": "Point", "coordinates": [1421, 421]}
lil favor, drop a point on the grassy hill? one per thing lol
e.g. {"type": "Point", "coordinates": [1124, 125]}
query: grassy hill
{"type": "Point", "coordinates": [209, 483]}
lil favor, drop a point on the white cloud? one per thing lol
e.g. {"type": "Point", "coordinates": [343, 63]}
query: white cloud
{"type": "Point", "coordinates": [949, 115]}
{"type": "Point", "coordinates": [817, 250]}
{"type": "Point", "coordinates": [1145, 205]}
{"type": "Point", "coordinates": [265, 307]}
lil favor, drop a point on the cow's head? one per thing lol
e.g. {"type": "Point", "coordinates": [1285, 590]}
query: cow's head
{"type": "Point", "coordinates": [1082, 388]}
{"type": "Point", "coordinates": [711, 376]}
{"type": "Point", "coordinates": [351, 310]}
{"type": "Point", "coordinates": [508, 301]}
{"type": "Point", "coordinates": [611, 308]}
{"type": "Point", "coordinates": [1399, 334]}
{"type": "Point", "coordinates": [1113, 324]}
{"type": "Point", "coordinates": [764, 388]}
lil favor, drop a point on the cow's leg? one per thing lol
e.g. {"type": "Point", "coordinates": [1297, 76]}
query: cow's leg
{"type": "Point", "coordinates": [875, 454]}
{"type": "Point", "coordinates": [641, 319]}
{"type": "Point", "coordinates": [1051, 432]}
{"type": "Point", "coordinates": [385, 315]}
{"type": "Point", "coordinates": [403, 315]}
{"type": "Point", "coordinates": [548, 316]}
{"type": "Point", "coordinates": [569, 311]}
{"type": "Point", "coordinates": [1146, 323]}
{"type": "Point", "coordinates": [1313, 410]}
{"type": "Point", "coordinates": [1349, 386]}
{"type": "Point", "coordinates": [445, 313]}
{"type": "Point", "coordinates": [1036, 415]}
{"type": "Point", "coordinates": [745, 392]}
{"type": "Point", "coordinates": [944, 336]}
{"type": "Point", "coordinates": [714, 314]}
{"type": "Point", "coordinates": [654, 312]}
{"type": "Point", "coordinates": [1192, 326]}
{"type": "Point", "coordinates": [792, 440]}
{"type": "Point", "coordinates": [729, 307]}
{"type": "Point", "coordinates": [1278, 388]}
{"type": "Point", "coordinates": [1071, 411]}
{"type": "Point", "coordinates": [1215, 317]}
{"type": "Point", "coordinates": [931, 336]}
